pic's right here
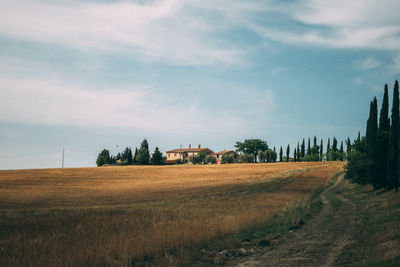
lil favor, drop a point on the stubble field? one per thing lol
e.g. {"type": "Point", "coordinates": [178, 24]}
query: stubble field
{"type": "Point", "coordinates": [122, 215]}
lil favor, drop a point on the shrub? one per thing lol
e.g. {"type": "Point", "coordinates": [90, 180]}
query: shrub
{"type": "Point", "coordinates": [246, 158]}
{"type": "Point", "coordinates": [227, 159]}
{"type": "Point", "coordinates": [211, 160]}
{"type": "Point", "coordinates": [200, 158]}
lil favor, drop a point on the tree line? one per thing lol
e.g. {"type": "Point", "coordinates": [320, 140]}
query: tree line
{"type": "Point", "coordinates": [374, 158]}
{"type": "Point", "coordinates": [316, 152]}
{"type": "Point", "coordinates": [142, 156]}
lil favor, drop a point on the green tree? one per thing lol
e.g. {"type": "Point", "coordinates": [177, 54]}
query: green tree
{"type": "Point", "coordinates": [309, 148]}
{"type": "Point", "coordinates": [348, 145]}
{"type": "Point", "coordinates": [295, 155]}
{"type": "Point", "coordinates": [303, 149]}
{"type": "Point", "coordinates": [334, 144]}
{"type": "Point", "coordinates": [270, 155]}
{"type": "Point", "coordinates": [383, 142]}
{"type": "Point", "coordinates": [261, 156]}
{"type": "Point", "coordinates": [321, 151]}
{"type": "Point", "coordinates": [393, 161]}
{"type": "Point", "coordinates": [298, 152]}
{"type": "Point", "coordinates": [103, 158]}
{"type": "Point", "coordinates": [143, 155]}
{"type": "Point", "coordinates": [126, 156]}
{"type": "Point", "coordinates": [157, 158]}
{"type": "Point", "coordinates": [356, 168]}
{"type": "Point", "coordinates": [226, 158]}
{"type": "Point", "coordinates": [287, 153]}
{"type": "Point", "coordinates": [371, 143]}
{"type": "Point", "coordinates": [134, 160]}
{"type": "Point", "coordinates": [246, 158]}
{"type": "Point", "coordinates": [251, 146]}
{"type": "Point", "coordinates": [281, 155]}
{"type": "Point", "coordinates": [341, 152]}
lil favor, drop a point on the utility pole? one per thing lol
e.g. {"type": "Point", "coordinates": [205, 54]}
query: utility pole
{"type": "Point", "coordinates": [62, 165]}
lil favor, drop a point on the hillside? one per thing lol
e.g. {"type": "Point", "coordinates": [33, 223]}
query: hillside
{"type": "Point", "coordinates": [127, 215]}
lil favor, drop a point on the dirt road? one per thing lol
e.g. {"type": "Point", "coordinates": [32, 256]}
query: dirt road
{"type": "Point", "coordinates": [318, 243]}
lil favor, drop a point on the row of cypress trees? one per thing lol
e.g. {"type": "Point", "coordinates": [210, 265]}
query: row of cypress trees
{"type": "Point", "coordinates": [316, 152]}
{"type": "Point", "coordinates": [374, 158]}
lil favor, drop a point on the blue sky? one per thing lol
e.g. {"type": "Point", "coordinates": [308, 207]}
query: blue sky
{"type": "Point", "coordinates": [88, 75]}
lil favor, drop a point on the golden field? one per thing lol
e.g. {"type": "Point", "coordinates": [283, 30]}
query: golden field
{"type": "Point", "coordinates": [119, 215]}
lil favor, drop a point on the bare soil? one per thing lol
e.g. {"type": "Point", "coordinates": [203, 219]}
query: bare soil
{"type": "Point", "coordinates": [319, 242]}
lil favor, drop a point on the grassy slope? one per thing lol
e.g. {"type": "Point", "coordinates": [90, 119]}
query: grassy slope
{"type": "Point", "coordinates": [113, 216]}
{"type": "Point", "coordinates": [377, 241]}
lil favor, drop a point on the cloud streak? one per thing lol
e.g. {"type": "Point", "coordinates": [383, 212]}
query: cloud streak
{"type": "Point", "coordinates": [157, 31]}
{"type": "Point", "coordinates": [56, 102]}
{"type": "Point", "coordinates": [190, 32]}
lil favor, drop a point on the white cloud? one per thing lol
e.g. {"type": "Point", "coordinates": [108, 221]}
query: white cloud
{"type": "Point", "coordinates": [351, 24]}
{"type": "Point", "coordinates": [56, 102]}
{"type": "Point", "coordinates": [395, 68]}
{"type": "Point", "coordinates": [368, 63]}
{"type": "Point", "coordinates": [193, 32]}
{"type": "Point", "coordinates": [162, 30]}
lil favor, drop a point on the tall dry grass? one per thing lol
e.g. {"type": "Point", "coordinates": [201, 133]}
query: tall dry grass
{"type": "Point", "coordinates": [118, 215]}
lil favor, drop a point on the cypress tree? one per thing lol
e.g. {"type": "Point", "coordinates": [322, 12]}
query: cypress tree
{"type": "Point", "coordinates": [157, 158]}
{"type": "Point", "coordinates": [295, 155]}
{"type": "Point", "coordinates": [287, 153]}
{"type": "Point", "coordinates": [281, 155]}
{"type": "Point", "coordinates": [334, 144]}
{"type": "Point", "coordinates": [393, 141]}
{"type": "Point", "coordinates": [371, 143]}
{"type": "Point", "coordinates": [309, 148]}
{"type": "Point", "coordinates": [328, 148]}
{"type": "Point", "coordinates": [348, 146]}
{"type": "Point", "coordinates": [383, 142]}
{"type": "Point", "coordinates": [298, 151]}
{"type": "Point", "coordinates": [341, 151]}
{"type": "Point", "coordinates": [321, 151]}
{"type": "Point", "coordinates": [303, 149]}
{"type": "Point", "coordinates": [134, 161]}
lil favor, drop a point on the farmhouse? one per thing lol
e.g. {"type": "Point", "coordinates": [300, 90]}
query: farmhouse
{"type": "Point", "coordinates": [183, 154]}
{"type": "Point", "coordinates": [233, 154]}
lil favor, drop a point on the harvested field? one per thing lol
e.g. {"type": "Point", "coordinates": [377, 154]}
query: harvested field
{"type": "Point", "coordinates": [121, 215]}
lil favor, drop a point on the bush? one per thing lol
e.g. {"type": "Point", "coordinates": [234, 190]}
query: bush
{"type": "Point", "coordinates": [246, 158]}
{"type": "Point", "coordinates": [200, 158]}
{"type": "Point", "coordinates": [211, 160]}
{"type": "Point", "coordinates": [357, 167]}
{"type": "Point", "coordinates": [227, 159]}
{"type": "Point", "coordinates": [261, 155]}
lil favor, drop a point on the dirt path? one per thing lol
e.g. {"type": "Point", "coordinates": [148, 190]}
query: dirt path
{"type": "Point", "coordinates": [318, 243]}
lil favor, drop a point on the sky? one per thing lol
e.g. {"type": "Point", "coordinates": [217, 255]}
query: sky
{"type": "Point", "coordinates": [87, 75]}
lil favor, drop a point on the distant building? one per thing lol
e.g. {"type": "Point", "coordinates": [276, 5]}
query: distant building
{"type": "Point", "coordinates": [183, 154]}
{"type": "Point", "coordinates": [218, 155]}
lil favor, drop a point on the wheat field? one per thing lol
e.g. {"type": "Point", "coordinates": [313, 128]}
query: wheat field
{"type": "Point", "coordinates": [115, 216]}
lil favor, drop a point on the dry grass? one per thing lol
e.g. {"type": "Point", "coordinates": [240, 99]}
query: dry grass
{"type": "Point", "coordinates": [116, 215]}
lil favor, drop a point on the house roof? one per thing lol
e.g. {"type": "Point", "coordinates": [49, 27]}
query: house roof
{"type": "Point", "coordinates": [181, 150]}
{"type": "Point", "coordinates": [224, 152]}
